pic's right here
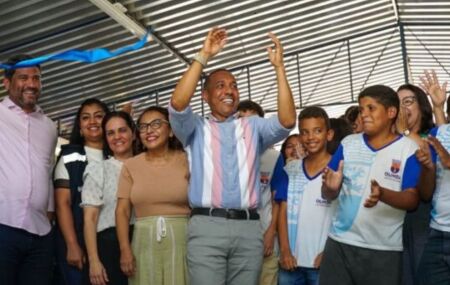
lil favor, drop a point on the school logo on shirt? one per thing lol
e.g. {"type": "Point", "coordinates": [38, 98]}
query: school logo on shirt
{"type": "Point", "coordinates": [323, 203]}
{"type": "Point", "coordinates": [395, 166]}
{"type": "Point", "coordinates": [394, 169]}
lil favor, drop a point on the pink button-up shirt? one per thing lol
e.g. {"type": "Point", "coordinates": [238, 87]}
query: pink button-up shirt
{"type": "Point", "coordinates": [27, 145]}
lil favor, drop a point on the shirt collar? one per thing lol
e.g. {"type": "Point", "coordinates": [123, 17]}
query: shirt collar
{"type": "Point", "coordinates": [232, 117]}
{"type": "Point", "coordinates": [8, 103]}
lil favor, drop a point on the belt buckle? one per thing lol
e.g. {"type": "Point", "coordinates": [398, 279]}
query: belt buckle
{"type": "Point", "coordinates": [248, 214]}
{"type": "Point", "coordinates": [227, 216]}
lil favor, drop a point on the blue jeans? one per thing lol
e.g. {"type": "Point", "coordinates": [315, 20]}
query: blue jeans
{"type": "Point", "coordinates": [300, 276]}
{"type": "Point", "coordinates": [434, 267]}
{"type": "Point", "coordinates": [25, 258]}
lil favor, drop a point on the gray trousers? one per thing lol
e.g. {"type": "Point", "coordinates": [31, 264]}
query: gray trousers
{"type": "Point", "coordinates": [224, 252]}
{"type": "Point", "coordinates": [344, 264]}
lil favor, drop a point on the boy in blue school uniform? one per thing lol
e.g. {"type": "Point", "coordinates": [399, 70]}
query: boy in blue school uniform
{"type": "Point", "coordinates": [434, 266]}
{"type": "Point", "coordinates": [305, 217]}
{"type": "Point", "coordinates": [374, 177]}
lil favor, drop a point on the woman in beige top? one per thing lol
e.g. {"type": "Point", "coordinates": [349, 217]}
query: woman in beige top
{"type": "Point", "coordinates": [155, 185]}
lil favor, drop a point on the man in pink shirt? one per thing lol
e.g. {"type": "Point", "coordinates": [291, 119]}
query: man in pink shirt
{"type": "Point", "coordinates": [28, 140]}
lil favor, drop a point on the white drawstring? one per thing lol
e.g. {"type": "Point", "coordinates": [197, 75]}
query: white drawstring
{"type": "Point", "coordinates": [161, 230]}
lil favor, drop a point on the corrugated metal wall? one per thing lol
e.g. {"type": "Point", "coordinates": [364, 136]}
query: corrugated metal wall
{"type": "Point", "coordinates": [333, 48]}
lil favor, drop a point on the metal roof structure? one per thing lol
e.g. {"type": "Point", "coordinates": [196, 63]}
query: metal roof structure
{"type": "Point", "coordinates": [333, 48]}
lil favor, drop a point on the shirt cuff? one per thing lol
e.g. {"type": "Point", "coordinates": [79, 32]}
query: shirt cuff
{"type": "Point", "coordinates": [172, 110]}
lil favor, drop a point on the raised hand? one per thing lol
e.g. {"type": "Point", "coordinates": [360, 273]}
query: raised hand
{"type": "Point", "coordinates": [440, 150]}
{"type": "Point", "coordinates": [430, 84]}
{"type": "Point", "coordinates": [401, 123]}
{"type": "Point", "coordinates": [128, 108]}
{"type": "Point", "coordinates": [331, 181]}
{"type": "Point", "coordinates": [275, 54]}
{"type": "Point", "coordinates": [214, 42]}
{"type": "Point", "coordinates": [301, 151]}
{"type": "Point", "coordinates": [375, 194]}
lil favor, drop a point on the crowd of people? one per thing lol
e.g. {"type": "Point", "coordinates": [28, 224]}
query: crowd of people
{"type": "Point", "coordinates": [176, 198]}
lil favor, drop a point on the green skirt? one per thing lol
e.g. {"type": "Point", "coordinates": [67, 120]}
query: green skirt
{"type": "Point", "coordinates": [159, 246]}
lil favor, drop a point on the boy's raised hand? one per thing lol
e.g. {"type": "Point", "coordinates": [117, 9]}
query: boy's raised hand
{"type": "Point", "coordinates": [440, 150]}
{"type": "Point", "coordinates": [332, 180]}
{"type": "Point", "coordinates": [375, 194]}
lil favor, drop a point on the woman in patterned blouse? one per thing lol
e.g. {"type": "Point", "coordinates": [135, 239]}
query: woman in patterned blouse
{"type": "Point", "coordinates": [99, 200]}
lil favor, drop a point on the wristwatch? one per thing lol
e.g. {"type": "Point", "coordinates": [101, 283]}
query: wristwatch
{"type": "Point", "coordinates": [200, 59]}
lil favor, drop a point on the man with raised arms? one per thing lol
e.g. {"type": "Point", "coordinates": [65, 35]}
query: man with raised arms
{"type": "Point", "coordinates": [225, 238]}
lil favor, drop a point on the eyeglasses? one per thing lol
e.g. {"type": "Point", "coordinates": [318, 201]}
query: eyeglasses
{"type": "Point", "coordinates": [408, 101]}
{"type": "Point", "coordinates": [155, 124]}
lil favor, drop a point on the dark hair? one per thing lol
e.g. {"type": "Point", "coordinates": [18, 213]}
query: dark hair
{"type": "Point", "coordinates": [283, 146]}
{"type": "Point", "coordinates": [341, 128]}
{"type": "Point", "coordinates": [75, 136]}
{"type": "Point", "coordinates": [208, 77]}
{"type": "Point", "coordinates": [252, 106]}
{"type": "Point", "coordinates": [351, 114]}
{"type": "Point", "coordinates": [426, 122]}
{"type": "Point", "coordinates": [314, 112]}
{"type": "Point", "coordinates": [130, 123]}
{"type": "Point", "coordinates": [9, 72]}
{"type": "Point", "coordinates": [384, 95]}
{"type": "Point", "coordinates": [174, 143]}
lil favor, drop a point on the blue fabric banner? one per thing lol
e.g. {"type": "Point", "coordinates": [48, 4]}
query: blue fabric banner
{"type": "Point", "coordinates": [88, 56]}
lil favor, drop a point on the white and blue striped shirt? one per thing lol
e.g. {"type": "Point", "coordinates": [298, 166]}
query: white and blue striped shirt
{"type": "Point", "coordinates": [224, 157]}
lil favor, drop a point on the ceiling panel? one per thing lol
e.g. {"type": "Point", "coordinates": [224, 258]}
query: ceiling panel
{"type": "Point", "coordinates": [333, 48]}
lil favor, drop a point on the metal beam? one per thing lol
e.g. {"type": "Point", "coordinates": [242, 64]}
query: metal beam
{"type": "Point", "coordinates": [43, 38]}
{"type": "Point", "coordinates": [167, 46]}
{"type": "Point", "coordinates": [429, 52]}
{"type": "Point", "coordinates": [426, 23]}
{"type": "Point", "coordinates": [172, 85]}
{"type": "Point", "coordinates": [325, 72]}
{"type": "Point", "coordinates": [333, 42]}
{"type": "Point", "coordinates": [248, 84]}
{"type": "Point", "coordinates": [404, 52]}
{"type": "Point", "coordinates": [319, 105]}
{"type": "Point", "coordinates": [395, 8]}
{"type": "Point", "coordinates": [349, 57]}
{"type": "Point", "coordinates": [299, 80]}
{"type": "Point", "coordinates": [378, 60]}
{"type": "Point", "coordinates": [117, 12]}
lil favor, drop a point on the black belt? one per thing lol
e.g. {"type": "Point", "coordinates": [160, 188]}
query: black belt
{"type": "Point", "coordinates": [232, 214]}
